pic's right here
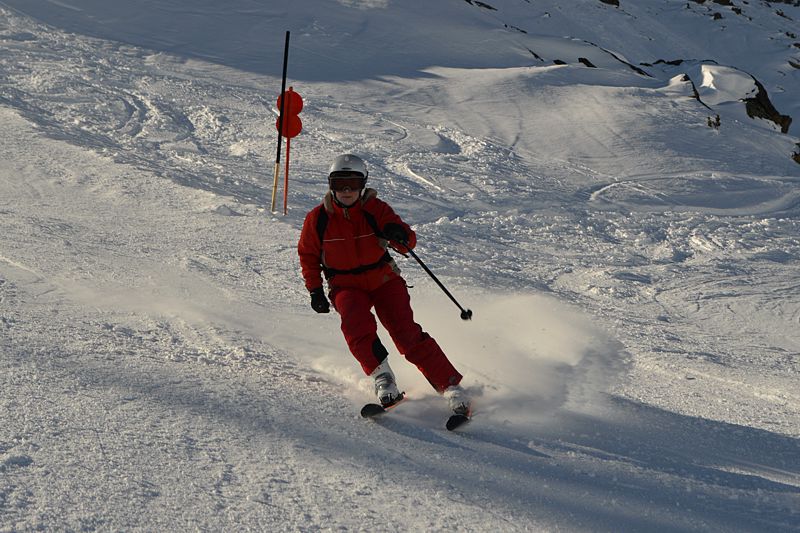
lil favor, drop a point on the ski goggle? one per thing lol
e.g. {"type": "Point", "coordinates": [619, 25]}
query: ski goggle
{"type": "Point", "coordinates": [342, 181]}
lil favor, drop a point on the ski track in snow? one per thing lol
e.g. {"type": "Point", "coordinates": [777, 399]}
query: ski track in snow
{"type": "Point", "coordinates": [633, 350]}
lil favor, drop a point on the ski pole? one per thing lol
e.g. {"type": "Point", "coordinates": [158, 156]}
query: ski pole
{"type": "Point", "coordinates": [466, 314]}
{"type": "Point", "coordinates": [280, 123]}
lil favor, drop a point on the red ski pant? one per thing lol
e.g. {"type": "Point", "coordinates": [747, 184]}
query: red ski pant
{"type": "Point", "coordinates": [393, 306]}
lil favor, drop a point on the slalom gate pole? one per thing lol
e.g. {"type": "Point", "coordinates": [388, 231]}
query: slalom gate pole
{"type": "Point", "coordinates": [286, 179]}
{"type": "Point", "coordinates": [280, 125]}
{"type": "Point", "coordinates": [466, 314]}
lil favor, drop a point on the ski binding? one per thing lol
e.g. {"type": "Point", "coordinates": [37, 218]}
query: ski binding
{"type": "Point", "coordinates": [375, 409]}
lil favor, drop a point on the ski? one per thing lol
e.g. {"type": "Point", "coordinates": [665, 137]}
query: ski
{"type": "Point", "coordinates": [456, 421]}
{"type": "Point", "coordinates": [371, 410]}
{"type": "Point", "coordinates": [375, 409]}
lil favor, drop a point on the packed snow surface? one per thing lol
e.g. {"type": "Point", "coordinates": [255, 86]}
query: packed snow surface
{"type": "Point", "coordinates": [587, 179]}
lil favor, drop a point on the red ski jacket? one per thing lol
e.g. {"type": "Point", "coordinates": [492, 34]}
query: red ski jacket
{"type": "Point", "coordinates": [349, 252]}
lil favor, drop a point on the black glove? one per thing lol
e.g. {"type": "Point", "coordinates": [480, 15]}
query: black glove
{"type": "Point", "coordinates": [319, 302]}
{"type": "Point", "coordinates": [395, 232]}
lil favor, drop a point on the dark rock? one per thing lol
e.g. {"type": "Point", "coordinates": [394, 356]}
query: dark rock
{"type": "Point", "coordinates": [614, 3]}
{"type": "Point", "coordinates": [586, 62]}
{"type": "Point", "coordinates": [537, 56]}
{"type": "Point", "coordinates": [674, 62]}
{"type": "Point", "coordinates": [760, 106]}
{"type": "Point", "coordinates": [615, 56]}
{"type": "Point", "coordinates": [695, 93]}
{"type": "Point", "coordinates": [515, 28]}
{"type": "Point", "coordinates": [481, 4]}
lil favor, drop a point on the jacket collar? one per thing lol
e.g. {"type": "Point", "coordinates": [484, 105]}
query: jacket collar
{"type": "Point", "coordinates": [332, 207]}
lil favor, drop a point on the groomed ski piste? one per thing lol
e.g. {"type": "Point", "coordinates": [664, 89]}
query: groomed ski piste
{"type": "Point", "coordinates": [630, 259]}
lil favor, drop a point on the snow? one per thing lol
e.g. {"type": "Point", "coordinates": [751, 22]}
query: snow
{"type": "Point", "coordinates": [632, 268]}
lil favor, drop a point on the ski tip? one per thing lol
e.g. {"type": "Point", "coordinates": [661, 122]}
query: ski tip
{"type": "Point", "coordinates": [372, 409]}
{"type": "Point", "coordinates": [456, 421]}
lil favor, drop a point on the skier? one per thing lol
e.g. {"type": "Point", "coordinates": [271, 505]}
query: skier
{"type": "Point", "coordinates": [346, 238]}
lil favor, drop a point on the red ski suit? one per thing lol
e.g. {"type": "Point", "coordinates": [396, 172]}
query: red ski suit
{"type": "Point", "coordinates": [349, 243]}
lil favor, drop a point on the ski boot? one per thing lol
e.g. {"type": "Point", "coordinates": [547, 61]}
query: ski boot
{"type": "Point", "coordinates": [385, 385]}
{"type": "Point", "coordinates": [458, 400]}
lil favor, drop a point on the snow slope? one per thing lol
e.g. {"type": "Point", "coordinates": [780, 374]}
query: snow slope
{"type": "Point", "coordinates": [631, 268]}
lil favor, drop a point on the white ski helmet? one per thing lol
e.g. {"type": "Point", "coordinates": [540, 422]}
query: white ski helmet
{"type": "Point", "coordinates": [348, 163]}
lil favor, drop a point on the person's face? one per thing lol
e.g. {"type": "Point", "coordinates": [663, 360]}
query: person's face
{"type": "Point", "coordinates": [348, 197]}
{"type": "Point", "coordinates": [347, 187]}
